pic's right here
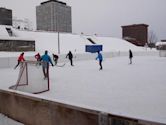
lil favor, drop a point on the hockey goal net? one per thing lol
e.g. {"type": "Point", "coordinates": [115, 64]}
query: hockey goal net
{"type": "Point", "coordinates": [31, 78]}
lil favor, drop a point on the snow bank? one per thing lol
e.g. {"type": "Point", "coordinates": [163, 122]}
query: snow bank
{"type": "Point", "coordinates": [74, 42]}
{"type": "Point", "coordinates": [3, 31]}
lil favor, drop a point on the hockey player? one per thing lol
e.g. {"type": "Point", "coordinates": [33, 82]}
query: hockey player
{"type": "Point", "coordinates": [70, 56]}
{"type": "Point", "coordinates": [55, 58]}
{"type": "Point", "coordinates": [45, 59]}
{"type": "Point", "coordinates": [100, 58]}
{"type": "Point", "coordinates": [130, 56]}
{"type": "Point", "coordinates": [20, 59]}
{"type": "Point", "coordinates": [37, 56]}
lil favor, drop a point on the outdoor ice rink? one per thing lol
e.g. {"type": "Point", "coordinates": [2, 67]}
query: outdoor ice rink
{"type": "Point", "coordinates": [137, 90]}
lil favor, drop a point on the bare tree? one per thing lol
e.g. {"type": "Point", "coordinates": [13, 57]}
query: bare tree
{"type": "Point", "coordinates": [152, 39]}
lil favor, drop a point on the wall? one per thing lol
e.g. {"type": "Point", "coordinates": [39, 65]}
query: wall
{"type": "Point", "coordinates": [35, 111]}
{"type": "Point", "coordinates": [8, 62]}
{"type": "Point", "coordinates": [31, 110]}
{"type": "Point", "coordinates": [17, 45]}
{"type": "Point", "coordinates": [138, 31]}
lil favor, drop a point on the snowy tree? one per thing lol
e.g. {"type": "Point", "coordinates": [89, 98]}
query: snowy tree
{"type": "Point", "coordinates": [24, 24]}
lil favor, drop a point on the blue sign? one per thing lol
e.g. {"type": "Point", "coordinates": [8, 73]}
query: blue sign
{"type": "Point", "coordinates": [93, 48]}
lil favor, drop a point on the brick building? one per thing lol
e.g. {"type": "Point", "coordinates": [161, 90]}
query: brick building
{"type": "Point", "coordinates": [5, 16]}
{"type": "Point", "coordinates": [54, 15]}
{"type": "Point", "coordinates": [136, 34]}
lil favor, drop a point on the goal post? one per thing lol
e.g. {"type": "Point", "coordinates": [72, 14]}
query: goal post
{"type": "Point", "coordinates": [31, 78]}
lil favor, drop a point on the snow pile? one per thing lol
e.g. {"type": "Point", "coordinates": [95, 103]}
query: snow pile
{"type": "Point", "coordinates": [3, 31]}
{"type": "Point", "coordinates": [115, 44]}
{"type": "Point", "coordinates": [160, 43]}
{"type": "Point", "coordinates": [74, 42]}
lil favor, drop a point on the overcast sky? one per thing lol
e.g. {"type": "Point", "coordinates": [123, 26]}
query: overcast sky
{"type": "Point", "coordinates": [104, 17]}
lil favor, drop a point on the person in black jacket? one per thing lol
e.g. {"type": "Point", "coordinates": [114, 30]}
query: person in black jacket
{"type": "Point", "coordinates": [130, 56]}
{"type": "Point", "coordinates": [55, 58]}
{"type": "Point", "coordinates": [70, 56]}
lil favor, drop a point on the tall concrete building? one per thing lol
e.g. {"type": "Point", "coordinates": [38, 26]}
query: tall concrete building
{"type": "Point", "coordinates": [136, 34]}
{"type": "Point", "coordinates": [5, 16]}
{"type": "Point", "coordinates": [54, 15]}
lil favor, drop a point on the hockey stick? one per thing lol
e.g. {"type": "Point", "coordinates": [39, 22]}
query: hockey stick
{"type": "Point", "coordinates": [60, 65]}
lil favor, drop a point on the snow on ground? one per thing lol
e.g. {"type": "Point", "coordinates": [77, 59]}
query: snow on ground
{"type": "Point", "coordinates": [67, 41]}
{"type": "Point", "coordinates": [7, 121]}
{"type": "Point", "coordinates": [136, 90]}
{"type": "Point", "coordinates": [116, 44]}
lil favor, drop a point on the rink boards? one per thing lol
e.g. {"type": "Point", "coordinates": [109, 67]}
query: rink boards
{"type": "Point", "coordinates": [35, 110]}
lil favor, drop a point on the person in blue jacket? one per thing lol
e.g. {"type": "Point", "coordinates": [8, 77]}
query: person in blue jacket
{"type": "Point", "coordinates": [46, 59]}
{"type": "Point", "coordinates": [100, 58]}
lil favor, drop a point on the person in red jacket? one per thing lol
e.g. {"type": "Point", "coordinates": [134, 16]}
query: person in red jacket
{"type": "Point", "coordinates": [20, 59]}
{"type": "Point", "coordinates": [38, 57]}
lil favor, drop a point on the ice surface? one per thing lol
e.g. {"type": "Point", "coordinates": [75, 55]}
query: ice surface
{"type": "Point", "coordinates": [136, 90]}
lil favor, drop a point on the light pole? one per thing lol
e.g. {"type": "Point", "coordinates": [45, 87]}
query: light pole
{"type": "Point", "coordinates": [57, 29]}
{"type": "Point", "coordinates": [58, 44]}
